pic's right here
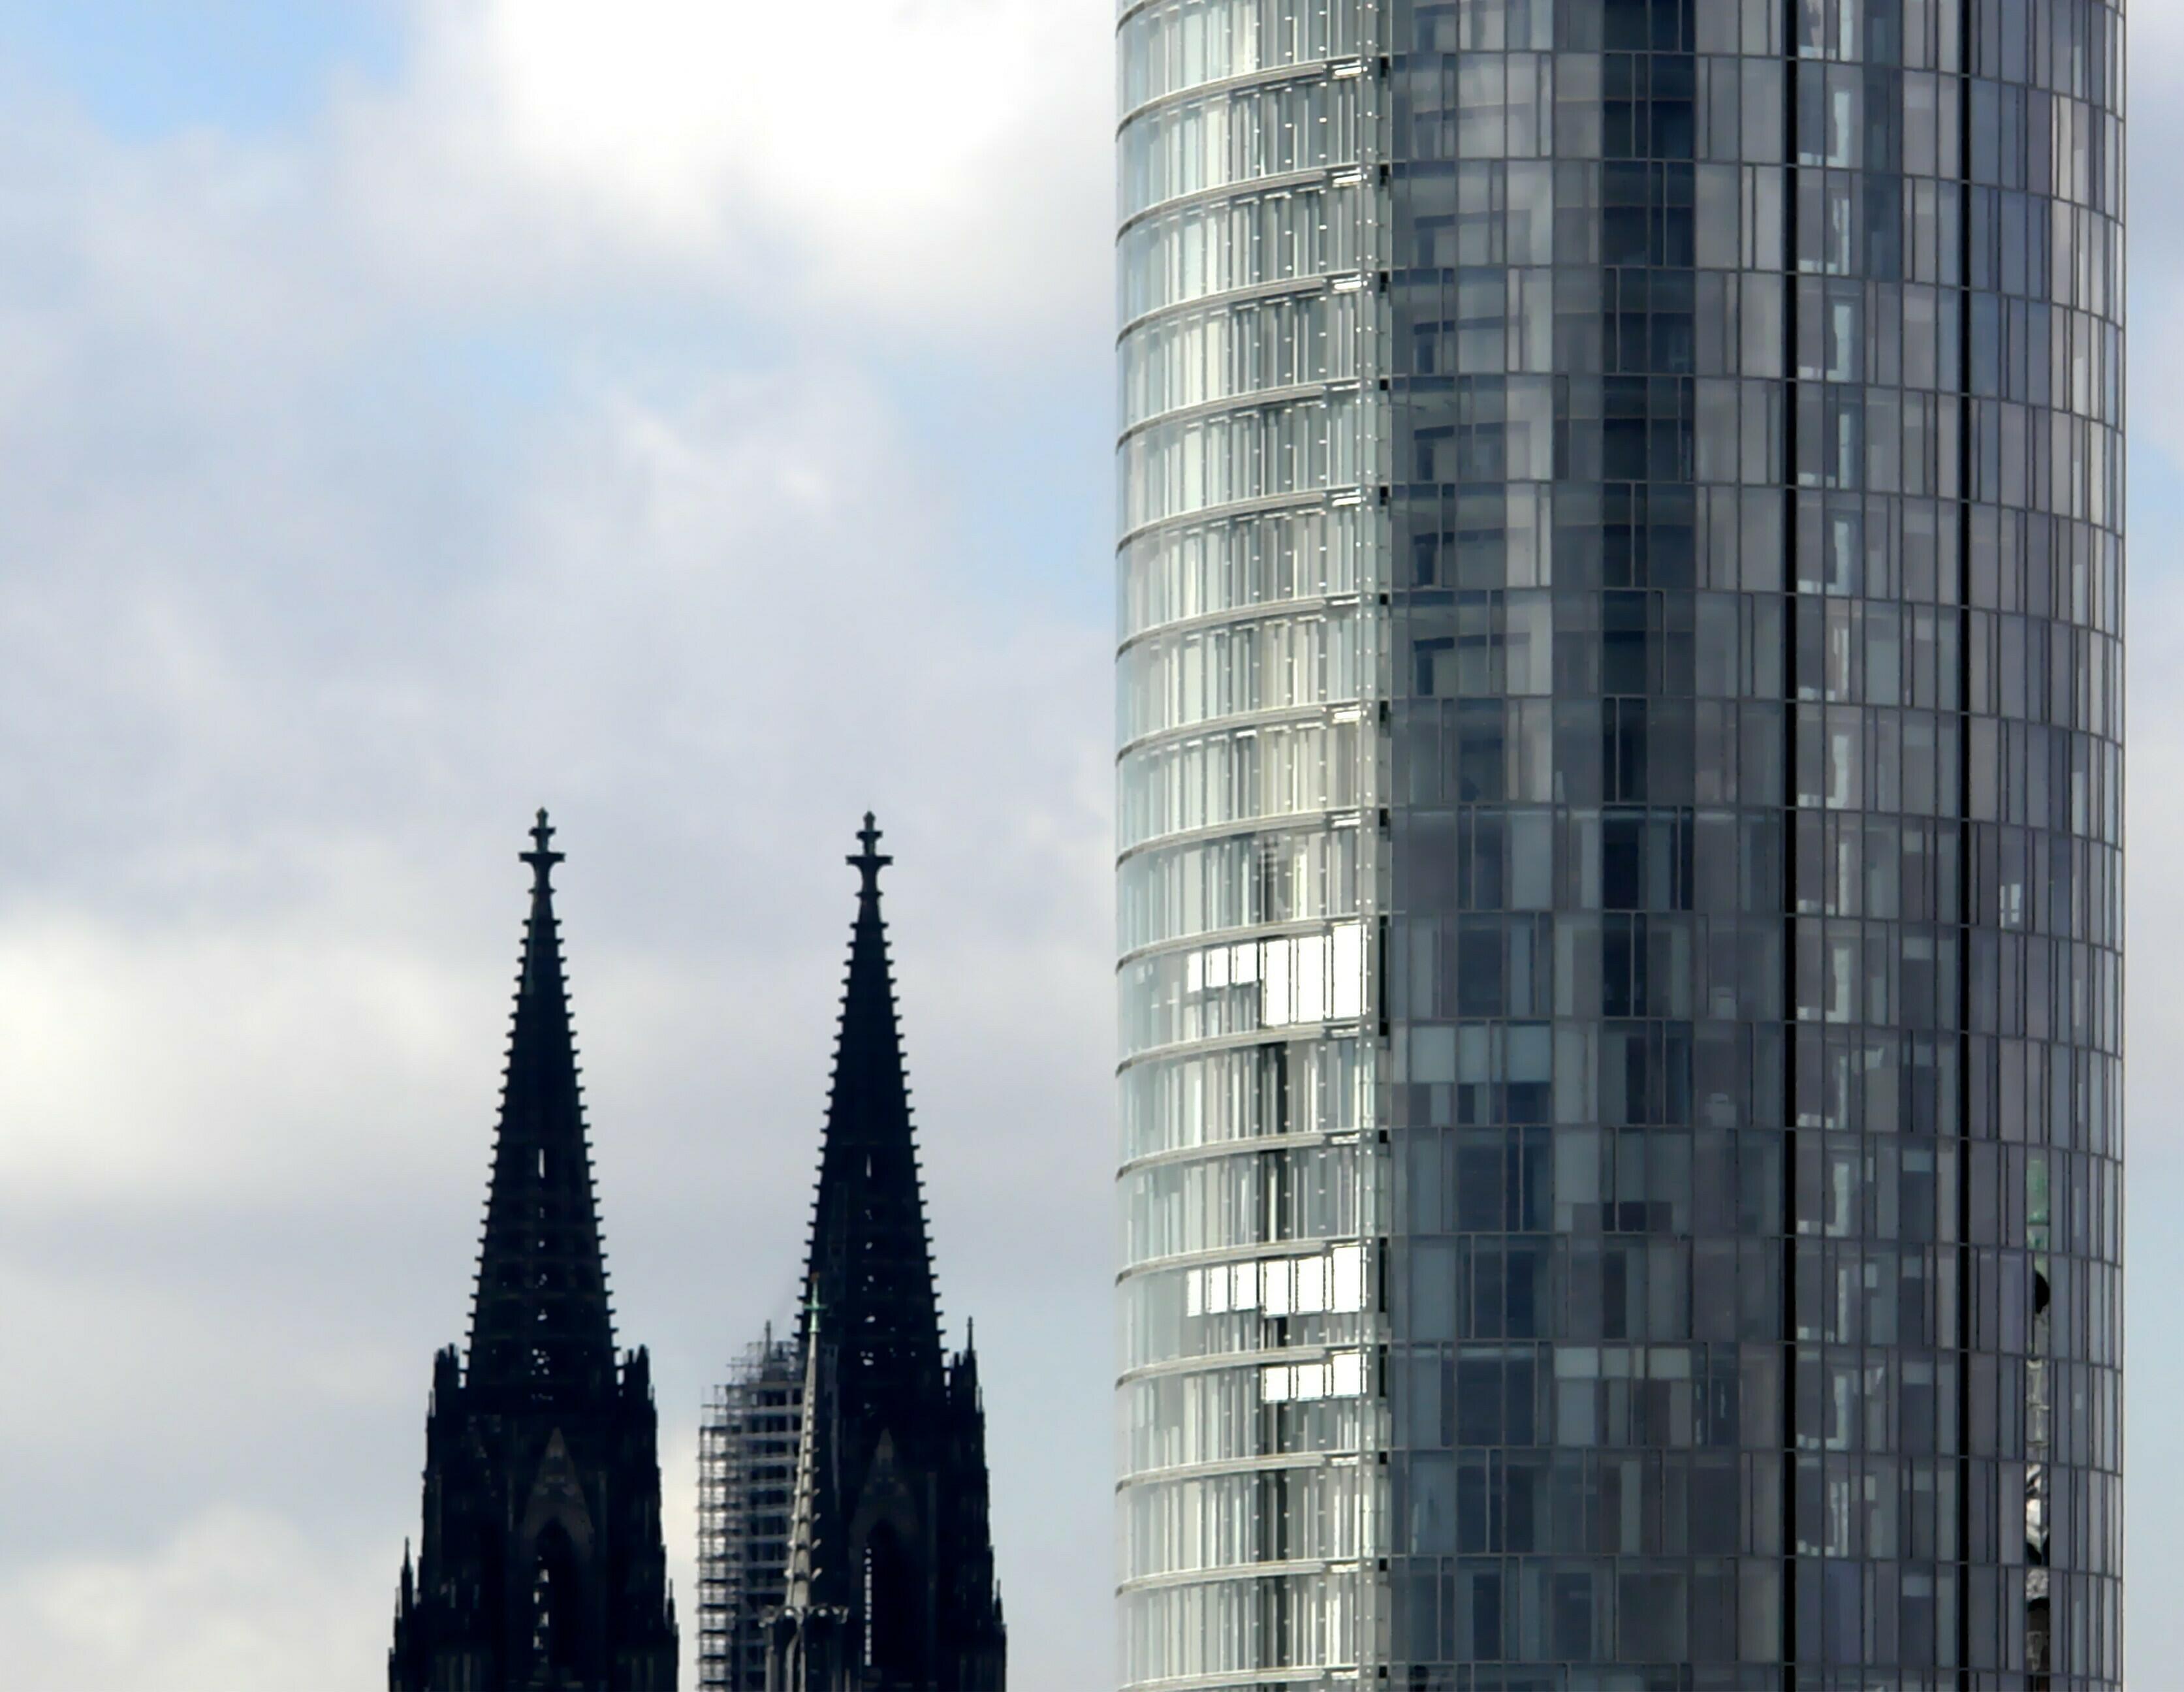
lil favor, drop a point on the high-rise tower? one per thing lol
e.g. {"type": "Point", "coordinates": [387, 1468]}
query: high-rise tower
{"type": "Point", "coordinates": [1620, 795]}
{"type": "Point", "coordinates": [542, 1563]}
{"type": "Point", "coordinates": [890, 1585]}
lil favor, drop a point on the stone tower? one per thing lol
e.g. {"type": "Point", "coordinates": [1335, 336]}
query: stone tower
{"type": "Point", "coordinates": [892, 1585]}
{"type": "Point", "coordinates": [542, 1566]}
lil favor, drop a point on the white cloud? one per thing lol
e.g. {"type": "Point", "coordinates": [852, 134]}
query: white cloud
{"type": "Point", "coordinates": [294, 630]}
{"type": "Point", "coordinates": [352, 1046]}
{"type": "Point", "coordinates": [887, 165]}
{"type": "Point", "coordinates": [232, 1600]}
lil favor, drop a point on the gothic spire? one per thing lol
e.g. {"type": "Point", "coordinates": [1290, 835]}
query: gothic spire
{"type": "Point", "coordinates": [804, 1506]}
{"type": "Point", "coordinates": [889, 1533]}
{"type": "Point", "coordinates": [540, 1328]}
{"type": "Point", "coordinates": [807, 1645]}
{"type": "Point", "coordinates": [869, 1263]}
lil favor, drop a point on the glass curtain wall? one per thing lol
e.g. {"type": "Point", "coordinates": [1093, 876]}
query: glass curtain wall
{"type": "Point", "coordinates": [1701, 418]}
{"type": "Point", "coordinates": [1248, 794]}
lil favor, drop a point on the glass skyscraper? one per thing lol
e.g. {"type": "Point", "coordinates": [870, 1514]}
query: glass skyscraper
{"type": "Point", "coordinates": [1619, 794]}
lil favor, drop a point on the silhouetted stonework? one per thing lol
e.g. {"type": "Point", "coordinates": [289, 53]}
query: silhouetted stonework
{"type": "Point", "coordinates": [891, 1582]}
{"type": "Point", "coordinates": [542, 1566]}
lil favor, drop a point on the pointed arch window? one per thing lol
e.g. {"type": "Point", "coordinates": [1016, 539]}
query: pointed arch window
{"type": "Point", "coordinates": [556, 1623]}
{"type": "Point", "coordinates": [893, 1605]}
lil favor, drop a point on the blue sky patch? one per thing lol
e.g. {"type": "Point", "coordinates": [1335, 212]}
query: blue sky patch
{"type": "Point", "coordinates": [147, 68]}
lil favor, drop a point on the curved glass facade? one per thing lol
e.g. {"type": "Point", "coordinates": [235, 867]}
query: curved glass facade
{"type": "Point", "coordinates": [1621, 701]}
{"type": "Point", "coordinates": [1249, 670]}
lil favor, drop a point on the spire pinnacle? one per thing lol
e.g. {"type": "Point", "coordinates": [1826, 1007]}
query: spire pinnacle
{"type": "Point", "coordinates": [540, 1326]}
{"type": "Point", "coordinates": [870, 1260]}
{"type": "Point", "coordinates": [541, 857]}
{"type": "Point", "coordinates": [803, 1523]}
{"type": "Point", "coordinates": [869, 862]}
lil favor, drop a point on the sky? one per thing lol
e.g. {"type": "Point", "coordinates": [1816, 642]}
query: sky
{"type": "Point", "coordinates": [414, 412]}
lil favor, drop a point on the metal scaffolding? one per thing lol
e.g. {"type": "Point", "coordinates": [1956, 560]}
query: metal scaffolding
{"type": "Point", "coordinates": [746, 1472]}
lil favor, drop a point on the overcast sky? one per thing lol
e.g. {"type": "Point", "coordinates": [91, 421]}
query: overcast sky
{"type": "Point", "coordinates": [692, 416]}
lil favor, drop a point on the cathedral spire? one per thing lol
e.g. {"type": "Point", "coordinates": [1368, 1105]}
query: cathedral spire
{"type": "Point", "coordinates": [870, 1265]}
{"type": "Point", "coordinates": [541, 1327]}
{"type": "Point", "coordinates": [542, 1563]}
{"type": "Point", "coordinates": [889, 1529]}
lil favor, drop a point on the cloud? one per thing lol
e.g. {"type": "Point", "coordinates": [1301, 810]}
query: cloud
{"type": "Point", "coordinates": [231, 1601]}
{"type": "Point", "coordinates": [928, 165]}
{"type": "Point", "coordinates": [345, 517]}
{"type": "Point", "coordinates": [350, 1041]}
{"type": "Point", "coordinates": [266, 981]}
{"type": "Point", "coordinates": [2156, 132]}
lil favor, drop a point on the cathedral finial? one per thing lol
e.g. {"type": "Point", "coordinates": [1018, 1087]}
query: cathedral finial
{"type": "Point", "coordinates": [541, 857]}
{"type": "Point", "coordinates": [870, 862]}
